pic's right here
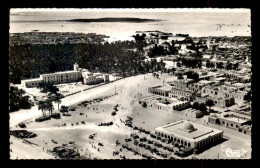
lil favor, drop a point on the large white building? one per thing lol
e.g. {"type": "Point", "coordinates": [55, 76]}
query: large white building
{"type": "Point", "coordinates": [67, 76]}
{"type": "Point", "coordinates": [31, 82]}
{"type": "Point", "coordinates": [189, 134]}
{"type": "Point", "coordinates": [55, 78]}
{"type": "Point", "coordinates": [94, 78]}
{"type": "Point", "coordinates": [62, 77]}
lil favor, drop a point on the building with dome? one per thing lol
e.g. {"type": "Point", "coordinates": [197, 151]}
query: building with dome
{"type": "Point", "coordinates": [189, 134]}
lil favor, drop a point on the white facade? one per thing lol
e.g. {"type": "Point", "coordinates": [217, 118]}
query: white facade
{"type": "Point", "coordinates": [189, 134]}
{"type": "Point", "coordinates": [61, 77]}
{"type": "Point", "coordinates": [94, 78]}
{"type": "Point", "coordinates": [223, 92]}
{"type": "Point", "coordinates": [31, 82]}
{"type": "Point", "coordinates": [192, 113]}
{"type": "Point", "coordinates": [55, 78]}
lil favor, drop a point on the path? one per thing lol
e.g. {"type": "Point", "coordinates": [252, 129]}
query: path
{"type": "Point", "coordinates": [23, 115]}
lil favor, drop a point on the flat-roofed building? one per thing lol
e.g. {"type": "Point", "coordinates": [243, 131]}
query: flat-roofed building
{"type": "Point", "coordinates": [240, 76]}
{"type": "Point", "coordinates": [62, 77]}
{"type": "Point", "coordinates": [231, 121]}
{"type": "Point", "coordinates": [182, 84]}
{"type": "Point", "coordinates": [162, 103]}
{"type": "Point", "coordinates": [241, 115]}
{"type": "Point", "coordinates": [55, 78]}
{"type": "Point", "coordinates": [189, 134]}
{"type": "Point", "coordinates": [180, 105]}
{"type": "Point", "coordinates": [162, 106]}
{"type": "Point", "coordinates": [192, 113]}
{"type": "Point", "coordinates": [160, 90]}
{"type": "Point", "coordinates": [31, 82]}
{"type": "Point", "coordinates": [224, 102]}
{"type": "Point", "coordinates": [239, 96]}
{"type": "Point", "coordinates": [67, 76]}
{"type": "Point", "coordinates": [94, 78]}
{"type": "Point", "coordinates": [224, 95]}
{"type": "Point", "coordinates": [200, 99]}
{"type": "Point", "coordinates": [177, 93]}
{"type": "Point", "coordinates": [195, 87]}
{"type": "Point", "coordinates": [183, 89]}
{"type": "Point", "coordinates": [212, 91]}
{"type": "Point", "coordinates": [239, 86]}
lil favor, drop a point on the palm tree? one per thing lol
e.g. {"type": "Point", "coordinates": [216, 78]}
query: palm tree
{"type": "Point", "coordinates": [42, 106]}
{"type": "Point", "coordinates": [220, 65]}
{"type": "Point", "coordinates": [195, 105]}
{"type": "Point", "coordinates": [228, 65]}
{"type": "Point", "coordinates": [178, 64]}
{"type": "Point", "coordinates": [50, 107]}
{"type": "Point", "coordinates": [58, 101]}
{"type": "Point", "coordinates": [41, 85]}
{"type": "Point", "coordinates": [212, 65]}
{"type": "Point", "coordinates": [180, 76]}
{"type": "Point", "coordinates": [209, 103]}
{"type": "Point", "coordinates": [161, 65]}
{"type": "Point", "coordinates": [235, 66]}
{"type": "Point", "coordinates": [208, 64]}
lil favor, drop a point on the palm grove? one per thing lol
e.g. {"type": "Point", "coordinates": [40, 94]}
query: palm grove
{"type": "Point", "coordinates": [124, 58]}
{"type": "Point", "coordinates": [30, 60]}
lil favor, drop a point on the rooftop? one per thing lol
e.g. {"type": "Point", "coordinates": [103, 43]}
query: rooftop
{"type": "Point", "coordinates": [172, 102]}
{"type": "Point", "coordinates": [192, 110]}
{"type": "Point", "coordinates": [188, 130]}
{"type": "Point", "coordinates": [230, 118]}
{"type": "Point", "coordinates": [32, 80]}
{"type": "Point", "coordinates": [234, 119]}
{"type": "Point", "coordinates": [238, 84]}
{"type": "Point", "coordinates": [205, 82]}
{"type": "Point", "coordinates": [241, 115]}
{"type": "Point", "coordinates": [164, 88]}
{"type": "Point", "coordinates": [63, 72]}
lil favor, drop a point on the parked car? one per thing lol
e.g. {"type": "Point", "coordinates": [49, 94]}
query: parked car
{"type": "Point", "coordinates": [128, 139]}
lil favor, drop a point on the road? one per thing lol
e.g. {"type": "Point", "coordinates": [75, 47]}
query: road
{"type": "Point", "coordinates": [24, 115]}
{"type": "Point", "coordinates": [123, 86]}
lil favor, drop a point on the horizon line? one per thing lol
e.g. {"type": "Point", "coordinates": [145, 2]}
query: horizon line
{"type": "Point", "coordinates": [217, 10]}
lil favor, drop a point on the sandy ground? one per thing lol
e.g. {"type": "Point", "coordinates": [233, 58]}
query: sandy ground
{"type": "Point", "coordinates": [69, 88]}
{"type": "Point", "coordinates": [26, 151]}
{"type": "Point", "coordinates": [105, 90]}
{"type": "Point", "coordinates": [128, 90]}
{"type": "Point", "coordinates": [23, 115]}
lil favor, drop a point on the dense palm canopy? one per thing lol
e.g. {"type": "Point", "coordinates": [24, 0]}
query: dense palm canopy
{"type": "Point", "coordinates": [29, 61]}
{"type": "Point", "coordinates": [18, 99]}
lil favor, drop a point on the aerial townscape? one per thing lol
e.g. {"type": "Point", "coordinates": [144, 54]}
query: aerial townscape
{"type": "Point", "coordinates": [161, 95]}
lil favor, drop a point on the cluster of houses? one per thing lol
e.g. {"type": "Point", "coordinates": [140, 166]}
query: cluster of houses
{"type": "Point", "coordinates": [188, 90]}
{"type": "Point", "coordinates": [239, 122]}
{"type": "Point", "coordinates": [228, 88]}
{"type": "Point", "coordinates": [181, 92]}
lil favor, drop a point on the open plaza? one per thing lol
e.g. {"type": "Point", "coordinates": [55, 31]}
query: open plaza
{"type": "Point", "coordinates": [83, 122]}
